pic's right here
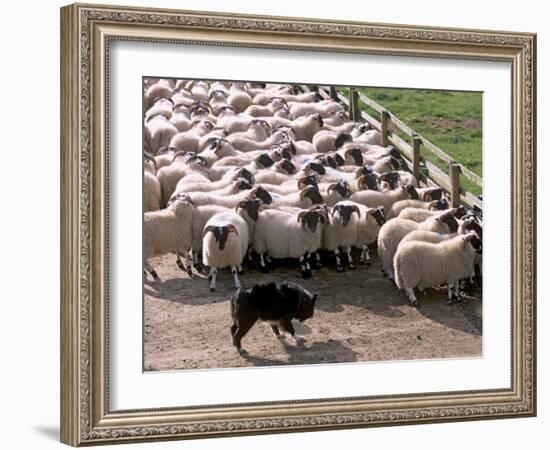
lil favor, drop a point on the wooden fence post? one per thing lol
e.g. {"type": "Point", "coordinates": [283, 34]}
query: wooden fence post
{"type": "Point", "coordinates": [384, 116]}
{"type": "Point", "coordinates": [416, 142]}
{"type": "Point", "coordinates": [354, 113]}
{"type": "Point", "coordinates": [454, 173]}
{"type": "Point", "coordinates": [333, 93]}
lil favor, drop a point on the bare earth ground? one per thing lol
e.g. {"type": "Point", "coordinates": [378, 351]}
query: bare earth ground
{"type": "Point", "coordinates": [359, 316]}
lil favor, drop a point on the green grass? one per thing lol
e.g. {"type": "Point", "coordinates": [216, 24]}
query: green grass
{"type": "Point", "coordinates": [451, 120]}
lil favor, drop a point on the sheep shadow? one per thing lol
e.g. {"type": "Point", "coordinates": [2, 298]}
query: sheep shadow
{"type": "Point", "coordinates": [434, 306]}
{"type": "Point", "coordinates": [319, 352]}
{"type": "Point", "coordinates": [189, 291]}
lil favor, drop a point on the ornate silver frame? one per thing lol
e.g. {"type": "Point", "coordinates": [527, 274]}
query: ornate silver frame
{"type": "Point", "coordinates": [86, 31]}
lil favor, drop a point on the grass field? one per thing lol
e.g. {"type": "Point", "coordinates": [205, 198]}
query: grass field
{"type": "Point", "coordinates": [451, 120]}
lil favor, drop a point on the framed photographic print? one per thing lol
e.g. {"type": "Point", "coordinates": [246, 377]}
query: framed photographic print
{"type": "Point", "coordinates": [278, 225]}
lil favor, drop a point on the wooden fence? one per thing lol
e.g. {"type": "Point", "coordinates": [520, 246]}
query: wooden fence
{"type": "Point", "coordinates": [425, 171]}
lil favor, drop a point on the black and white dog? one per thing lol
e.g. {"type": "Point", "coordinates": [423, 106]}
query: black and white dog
{"type": "Point", "coordinates": [278, 304]}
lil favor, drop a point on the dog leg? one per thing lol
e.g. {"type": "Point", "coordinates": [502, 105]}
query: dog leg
{"type": "Point", "coordinates": [212, 278]}
{"type": "Point", "coordinates": [238, 332]}
{"type": "Point", "coordinates": [235, 277]}
{"type": "Point", "coordinates": [289, 328]}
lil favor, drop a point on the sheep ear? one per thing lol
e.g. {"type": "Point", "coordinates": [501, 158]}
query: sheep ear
{"type": "Point", "coordinates": [356, 209]}
{"type": "Point", "coordinates": [232, 229]}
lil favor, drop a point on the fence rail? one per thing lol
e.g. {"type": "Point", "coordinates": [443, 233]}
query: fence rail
{"type": "Point", "coordinates": [424, 170]}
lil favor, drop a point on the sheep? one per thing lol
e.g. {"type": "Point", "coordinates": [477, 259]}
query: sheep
{"type": "Point", "coordinates": [281, 234]}
{"type": "Point", "coordinates": [328, 140]}
{"type": "Point", "coordinates": [263, 98]}
{"type": "Point", "coordinates": [151, 192]}
{"type": "Point", "coordinates": [323, 108]}
{"type": "Point", "coordinates": [238, 97]}
{"type": "Point", "coordinates": [161, 107]}
{"type": "Point", "coordinates": [397, 177]}
{"type": "Point", "coordinates": [247, 209]}
{"type": "Point", "coordinates": [335, 192]}
{"type": "Point", "coordinates": [162, 88]}
{"type": "Point", "coordinates": [305, 128]}
{"type": "Point", "coordinates": [258, 130]}
{"type": "Point", "coordinates": [166, 231]}
{"type": "Point", "coordinates": [307, 197]}
{"type": "Point", "coordinates": [180, 119]}
{"type": "Point", "coordinates": [399, 206]}
{"type": "Point", "coordinates": [159, 133]}
{"type": "Point", "coordinates": [189, 140]}
{"type": "Point", "coordinates": [149, 163]}
{"type": "Point", "coordinates": [245, 144]}
{"type": "Point", "coordinates": [238, 173]}
{"type": "Point", "coordinates": [340, 232]}
{"type": "Point", "coordinates": [420, 214]}
{"type": "Point", "coordinates": [183, 163]}
{"type": "Point", "coordinates": [423, 264]}
{"type": "Point", "coordinates": [218, 99]}
{"type": "Point", "coordinates": [225, 242]}
{"type": "Point", "coordinates": [393, 231]}
{"type": "Point", "coordinates": [230, 201]}
{"type": "Point", "coordinates": [372, 137]}
{"type": "Point", "coordinates": [385, 199]}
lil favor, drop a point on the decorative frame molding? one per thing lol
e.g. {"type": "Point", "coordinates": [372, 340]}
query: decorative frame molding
{"type": "Point", "coordinates": [86, 31]}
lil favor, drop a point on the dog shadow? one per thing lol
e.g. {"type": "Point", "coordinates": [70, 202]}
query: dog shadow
{"type": "Point", "coordinates": [319, 352]}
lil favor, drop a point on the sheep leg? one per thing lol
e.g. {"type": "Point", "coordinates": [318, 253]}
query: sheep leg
{"type": "Point", "coordinates": [318, 263]}
{"type": "Point", "coordinates": [289, 328]}
{"type": "Point", "coordinates": [350, 258]}
{"type": "Point", "coordinates": [240, 269]}
{"type": "Point", "coordinates": [152, 271]}
{"type": "Point", "coordinates": [458, 294]}
{"type": "Point", "coordinates": [304, 267]}
{"type": "Point", "coordinates": [188, 264]}
{"type": "Point", "coordinates": [275, 330]}
{"type": "Point", "coordinates": [235, 277]}
{"type": "Point", "coordinates": [412, 297]}
{"type": "Point", "coordinates": [339, 267]}
{"type": "Point", "coordinates": [365, 255]}
{"type": "Point", "coordinates": [449, 294]}
{"type": "Point", "coordinates": [263, 265]}
{"type": "Point", "coordinates": [212, 278]}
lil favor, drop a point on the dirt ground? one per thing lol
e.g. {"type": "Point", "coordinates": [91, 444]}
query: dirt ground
{"type": "Point", "coordinates": [359, 316]}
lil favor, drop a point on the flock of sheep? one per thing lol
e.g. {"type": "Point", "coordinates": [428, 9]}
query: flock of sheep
{"type": "Point", "coordinates": [237, 172]}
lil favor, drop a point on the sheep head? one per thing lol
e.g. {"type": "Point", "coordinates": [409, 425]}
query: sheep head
{"type": "Point", "coordinates": [410, 190]}
{"type": "Point", "coordinates": [378, 214]}
{"type": "Point", "coordinates": [286, 166]}
{"type": "Point", "coordinates": [368, 181]}
{"type": "Point", "coordinates": [356, 155]}
{"type": "Point", "coordinates": [261, 193]}
{"type": "Point", "coordinates": [308, 180]}
{"type": "Point", "coordinates": [251, 206]}
{"type": "Point", "coordinates": [449, 220]}
{"type": "Point", "coordinates": [310, 219]}
{"type": "Point", "coordinates": [312, 193]}
{"type": "Point", "coordinates": [473, 239]}
{"type": "Point", "coordinates": [342, 187]}
{"type": "Point", "coordinates": [220, 233]}
{"type": "Point", "coordinates": [345, 211]}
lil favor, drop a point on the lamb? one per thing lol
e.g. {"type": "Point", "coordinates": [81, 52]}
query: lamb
{"type": "Point", "coordinates": [393, 231]}
{"type": "Point", "coordinates": [385, 199]}
{"type": "Point", "coordinates": [162, 88]}
{"type": "Point", "coordinates": [166, 231]}
{"type": "Point", "coordinates": [245, 144]}
{"type": "Point", "coordinates": [281, 234]}
{"type": "Point", "coordinates": [341, 231]}
{"type": "Point", "coordinates": [258, 130]}
{"type": "Point", "coordinates": [423, 264]}
{"type": "Point", "coordinates": [225, 242]}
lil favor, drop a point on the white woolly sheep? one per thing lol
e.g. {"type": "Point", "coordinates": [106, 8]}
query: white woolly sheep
{"type": "Point", "coordinates": [393, 231]}
{"type": "Point", "coordinates": [167, 231]}
{"type": "Point", "coordinates": [225, 243]}
{"type": "Point", "coordinates": [151, 192]}
{"type": "Point", "coordinates": [159, 132]}
{"type": "Point", "coordinates": [423, 264]}
{"type": "Point", "coordinates": [341, 231]}
{"type": "Point", "coordinates": [399, 206]}
{"type": "Point", "coordinates": [281, 234]}
{"type": "Point", "coordinates": [238, 97]}
{"type": "Point", "coordinates": [385, 199]}
{"type": "Point", "coordinates": [305, 198]}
